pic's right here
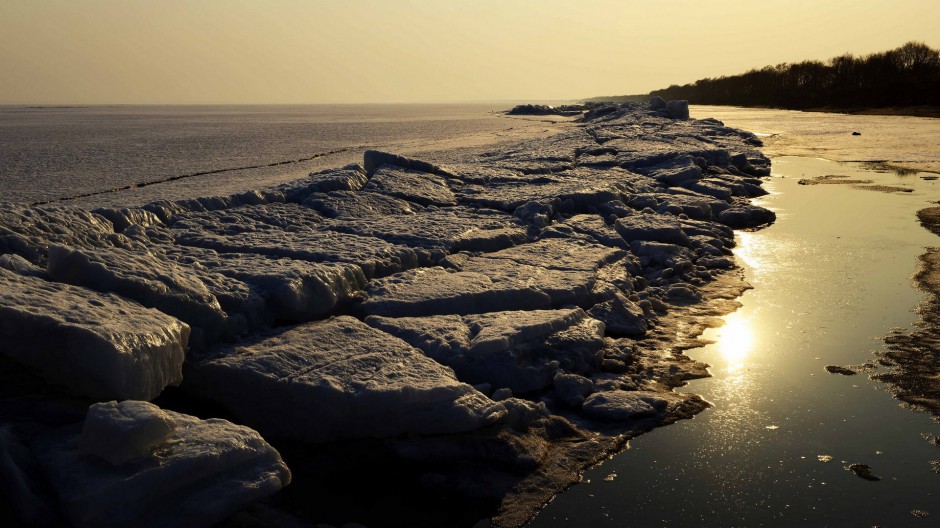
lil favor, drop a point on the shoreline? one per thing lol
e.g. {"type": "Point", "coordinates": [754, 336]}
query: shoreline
{"type": "Point", "coordinates": [509, 317]}
{"type": "Point", "coordinates": [912, 359]}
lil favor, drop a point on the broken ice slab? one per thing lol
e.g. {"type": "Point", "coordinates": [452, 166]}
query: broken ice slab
{"type": "Point", "coordinates": [436, 291]}
{"type": "Point", "coordinates": [560, 254]}
{"type": "Point", "coordinates": [29, 231]}
{"type": "Point", "coordinates": [742, 216]}
{"type": "Point", "coordinates": [652, 227]}
{"type": "Point", "coordinates": [269, 217]}
{"type": "Point", "coordinates": [141, 276]}
{"type": "Point", "coordinates": [348, 178]}
{"type": "Point", "coordinates": [293, 290]}
{"type": "Point", "coordinates": [375, 257]}
{"type": "Point", "coordinates": [373, 159]}
{"type": "Point", "coordinates": [447, 229]}
{"type": "Point", "coordinates": [620, 405]}
{"type": "Point", "coordinates": [519, 350]}
{"type": "Point", "coordinates": [346, 205]}
{"type": "Point", "coordinates": [414, 186]}
{"type": "Point", "coordinates": [175, 469]}
{"type": "Point", "coordinates": [336, 379]}
{"type": "Point", "coordinates": [562, 286]}
{"type": "Point", "coordinates": [571, 192]}
{"type": "Point", "coordinates": [96, 345]}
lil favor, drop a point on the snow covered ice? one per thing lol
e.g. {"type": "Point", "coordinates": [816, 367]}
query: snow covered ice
{"type": "Point", "coordinates": [337, 379]}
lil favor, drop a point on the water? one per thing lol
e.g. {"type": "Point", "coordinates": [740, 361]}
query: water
{"type": "Point", "coordinates": [51, 153]}
{"type": "Point", "coordinates": [830, 278]}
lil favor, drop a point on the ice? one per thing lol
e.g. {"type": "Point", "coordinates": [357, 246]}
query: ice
{"type": "Point", "coordinates": [154, 283]}
{"type": "Point", "coordinates": [570, 192]}
{"type": "Point", "coordinates": [271, 217]}
{"type": "Point", "coordinates": [96, 345]}
{"type": "Point", "coordinates": [518, 350]}
{"type": "Point", "coordinates": [437, 291]}
{"type": "Point", "coordinates": [125, 217]}
{"type": "Point", "coordinates": [446, 230]}
{"type": "Point", "coordinates": [348, 178]}
{"type": "Point", "coordinates": [347, 205]}
{"type": "Point", "coordinates": [418, 187]}
{"type": "Point", "coordinates": [375, 257]}
{"type": "Point", "coordinates": [374, 159]}
{"type": "Point", "coordinates": [562, 286]}
{"type": "Point", "coordinates": [652, 227]}
{"type": "Point", "coordinates": [120, 432]}
{"type": "Point", "coordinates": [29, 231]}
{"type": "Point", "coordinates": [196, 474]}
{"type": "Point", "coordinates": [21, 483]}
{"type": "Point", "coordinates": [620, 405]}
{"type": "Point", "coordinates": [21, 266]}
{"type": "Point", "coordinates": [560, 254]}
{"type": "Point", "coordinates": [676, 171]}
{"type": "Point", "coordinates": [293, 290]}
{"type": "Point", "coordinates": [743, 216]}
{"type": "Point", "coordinates": [336, 379]}
{"type": "Point", "coordinates": [572, 389]}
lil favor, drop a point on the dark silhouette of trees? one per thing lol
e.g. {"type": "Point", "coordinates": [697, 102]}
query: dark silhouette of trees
{"type": "Point", "coordinates": [906, 76]}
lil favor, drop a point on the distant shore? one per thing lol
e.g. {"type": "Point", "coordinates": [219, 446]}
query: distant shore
{"type": "Point", "coordinates": [912, 111]}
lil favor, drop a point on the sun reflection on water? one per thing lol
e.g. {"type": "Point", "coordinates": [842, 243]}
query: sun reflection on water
{"type": "Point", "coordinates": [735, 341]}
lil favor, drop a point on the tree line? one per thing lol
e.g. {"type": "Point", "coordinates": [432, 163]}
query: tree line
{"type": "Point", "coordinates": [906, 76]}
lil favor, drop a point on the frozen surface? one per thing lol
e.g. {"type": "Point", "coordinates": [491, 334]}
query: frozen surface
{"type": "Point", "coordinates": [139, 275]}
{"type": "Point", "coordinates": [169, 469]}
{"type": "Point", "coordinates": [445, 230]}
{"type": "Point", "coordinates": [435, 291]}
{"type": "Point", "coordinates": [419, 187]}
{"type": "Point", "coordinates": [374, 256]}
{"type": "Point", "coordinates": [96, 345]}
{"type": "Point", "coordinates": [901, 141]}
{"type": "Point", "coordinates": [293, 290]}
{"type": "Point", "coordinates": [120, 432]}
{"type": "Point", "coordinates": [337, 379]}
{"type": "Point", "coordinates": [504, 292]}
{"type": "Point", "coordinates": [519, 350]}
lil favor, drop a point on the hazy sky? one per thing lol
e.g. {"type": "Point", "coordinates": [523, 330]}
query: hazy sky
{"type": "Point", "coordinates": [357, 51]}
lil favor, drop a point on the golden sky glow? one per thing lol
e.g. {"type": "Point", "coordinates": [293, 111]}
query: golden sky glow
{"type": "Point", "coordinates": [367, 51]}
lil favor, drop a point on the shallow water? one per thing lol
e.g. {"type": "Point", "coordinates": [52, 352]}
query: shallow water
{"type": "Point", "coordinates": [830, 278]}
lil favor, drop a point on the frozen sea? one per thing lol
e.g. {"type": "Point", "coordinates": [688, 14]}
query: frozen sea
{"type": "Point", "coordinates": [127, 155]}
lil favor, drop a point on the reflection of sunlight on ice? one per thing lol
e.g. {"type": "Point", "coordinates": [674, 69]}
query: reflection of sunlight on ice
{"type": "Point", "coordinates": [735, 340]}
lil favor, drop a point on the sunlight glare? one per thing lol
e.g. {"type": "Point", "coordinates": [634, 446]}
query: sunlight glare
{"type": "Point", "coordinates": [735, 340]}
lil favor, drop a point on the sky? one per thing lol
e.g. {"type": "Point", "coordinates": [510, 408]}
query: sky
{"type": "Point", "coordinates": [409, 51]}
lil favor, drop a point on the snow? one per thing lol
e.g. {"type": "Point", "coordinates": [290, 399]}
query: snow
{"type": "Point", "coordinates": [95, 345]}
{"type": "Point", "coordinates": [336, 379]}
{"type": "Point", "coordinates": [177, 470]}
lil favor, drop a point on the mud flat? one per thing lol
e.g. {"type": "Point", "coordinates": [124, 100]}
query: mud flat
{"type": "Point", "coordinates": [491, 324]}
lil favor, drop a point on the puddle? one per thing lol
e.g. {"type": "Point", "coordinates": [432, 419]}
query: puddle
{"type": "Point", "coordinates": [830, 278]}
